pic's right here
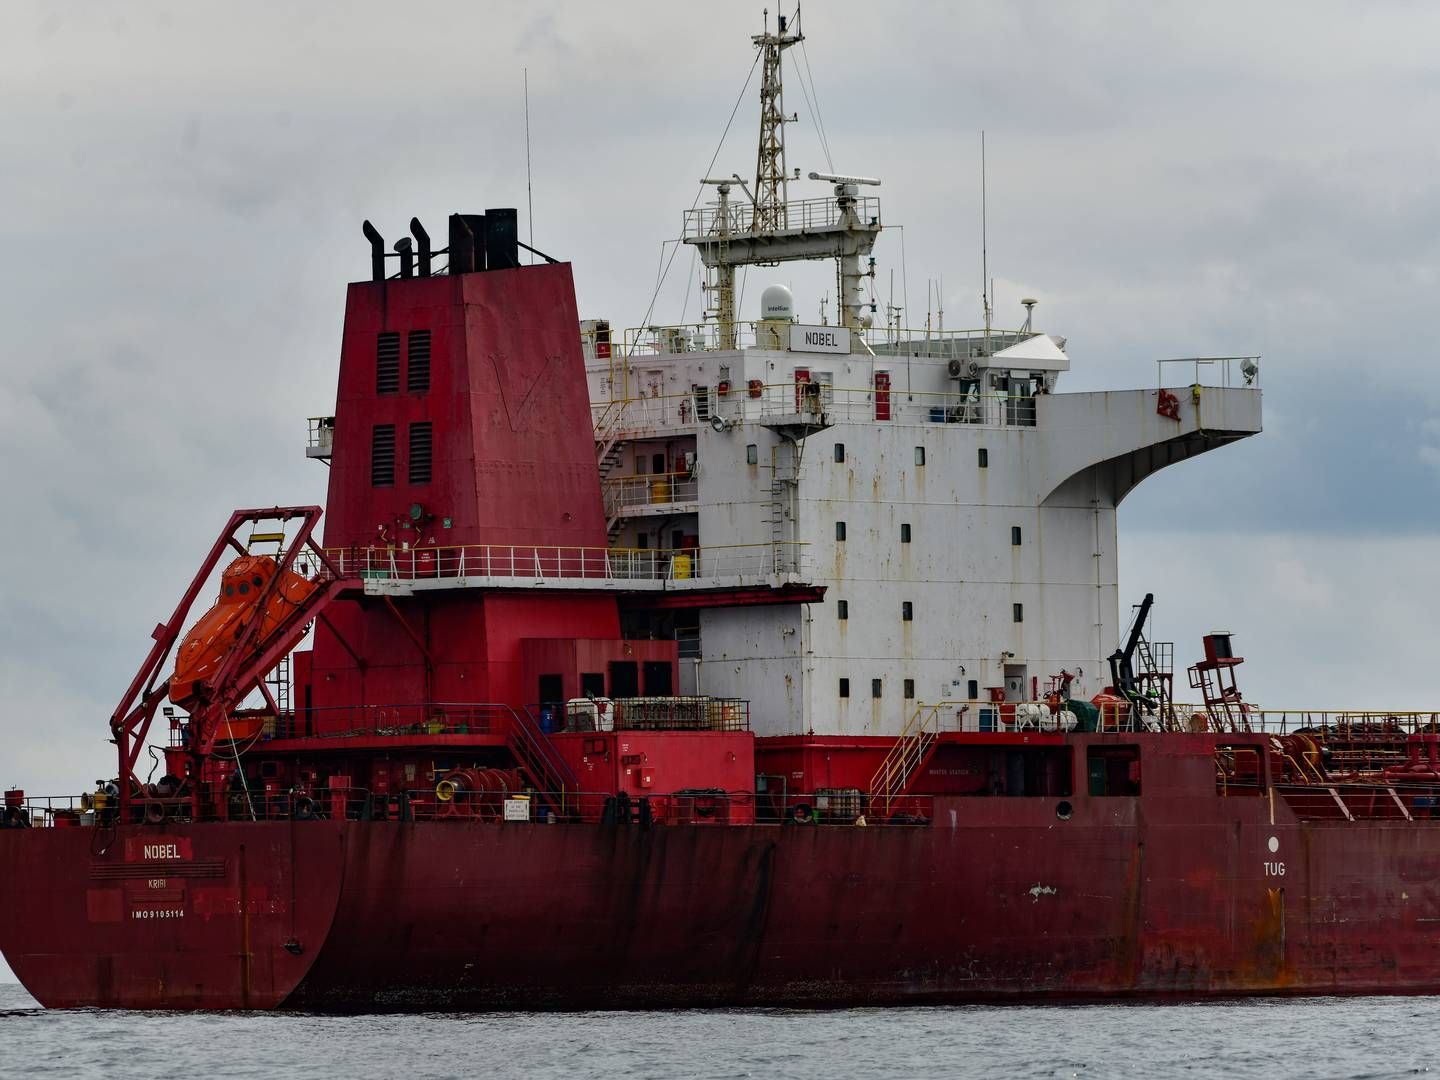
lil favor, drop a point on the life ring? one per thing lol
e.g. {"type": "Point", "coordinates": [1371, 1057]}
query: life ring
{"type": "Point", "coordinates": [304, 808]}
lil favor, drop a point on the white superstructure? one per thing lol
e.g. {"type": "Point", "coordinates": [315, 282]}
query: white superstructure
{"type": "Point", "coordinates": [957, 508]}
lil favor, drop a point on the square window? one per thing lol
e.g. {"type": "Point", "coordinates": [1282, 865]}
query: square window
{"type": "Point", "coordinates": [1019, 612]}
{"type": "Point", "coordinates": [642, 541]}
{"type": "Point", "coordinates": [909, 689]}
{"type": "Point", "coordinates": [844, 687]}
{"type": "Point", "coordinates": [839, 530]}
{"type": "Point", "coordinates": [904, 532]}
{"type": "Point", "coordinates": [641, 461]}
{"type": "Point", "coordinates": [752, 454]}
{"type": "Point", "coordinates": [972, 689]}
{"type": "Point", "coordinates": [984, 458]}
{"type": "Point", "coordinates": [877, 687]}
{"type": "Point", "coordinates": [907, 611]}
{"type": "Point", "coordinates": [919, 455]}
{"type": "Point", "coordinates": [1015, 535]}
{"type": "Point", "coordinates": [839, 451]}
{"type": "Point", "coordinates": [842, 609]}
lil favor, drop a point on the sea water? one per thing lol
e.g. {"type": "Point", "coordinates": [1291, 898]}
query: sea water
{"type": "Point", "coordinates": [1315, 1037]}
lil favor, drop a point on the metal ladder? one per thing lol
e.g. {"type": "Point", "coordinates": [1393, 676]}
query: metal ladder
{"type": "Point", "coordinates": [896, 773]}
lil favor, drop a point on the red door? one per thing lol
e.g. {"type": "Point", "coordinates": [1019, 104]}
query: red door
{"type": "Point", "coordinates": [882, 395]}
{"type": "Point", "coordinates": [802, 379]}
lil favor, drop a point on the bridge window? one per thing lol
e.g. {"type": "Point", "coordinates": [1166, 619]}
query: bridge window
{"type": "Point", "coordinates": [417, 368]}
{"type": "Point", "coordinates": [382, 455]}
{"type": "Point", "coordinates": [387, 364]}
{"type": "Point", "coordinates": [1113, 770]}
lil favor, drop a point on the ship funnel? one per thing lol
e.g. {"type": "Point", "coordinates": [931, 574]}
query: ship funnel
{"type": "Point", "coordinates": [377, 251]}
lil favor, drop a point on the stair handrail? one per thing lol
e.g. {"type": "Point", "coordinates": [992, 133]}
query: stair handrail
{"type": "Point", "coordinates": [892, 778]}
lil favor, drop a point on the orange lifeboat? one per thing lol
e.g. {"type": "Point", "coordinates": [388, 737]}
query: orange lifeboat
{"type": "Point", "coordinates": [211, 639]}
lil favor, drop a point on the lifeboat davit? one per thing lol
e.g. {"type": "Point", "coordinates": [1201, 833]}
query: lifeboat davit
{"type": "Point", "coordinates": [210, 640]}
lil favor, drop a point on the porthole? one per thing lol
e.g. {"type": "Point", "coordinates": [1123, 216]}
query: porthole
{"type": "Point", "coordinates": [257, 581]}
{"type": "Point", "coordinates": [1063, 810]}
{"type": "Point", "coordinates": [244, 589]}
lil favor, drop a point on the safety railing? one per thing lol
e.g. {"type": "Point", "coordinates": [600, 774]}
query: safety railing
{"type": "Point", "coordinates": [883, 341]}
{"type": "Point", "coordinates": [693, 712]}
{"type": "Point", "coordinates": [1350, 725]}
{"type": "Point", "coordinates": [736, 219]}
{"type": "Point", "coordinates": [549, 563]}
{"type": "Point", "coordinates": [728, 403]}
{"type": "Point", "coordinates": [653, 489]}
{"type": "Point", "coordinates": [1220, 371]}
{"type": "Point", "coordinates": [320, 436]}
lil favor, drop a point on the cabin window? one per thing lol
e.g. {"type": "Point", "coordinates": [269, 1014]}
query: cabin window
{"type": "Point", "coordinates": [904, 532]}
{"type": "Point", "coordinates": [641, 461]}
{"type": "Point", "coordinates": [877, 687]}
{"type": "Point", "coordinates": [1005, 771]}
{"type": "Point", "coordinates": [1239, 769]}
{"type": "Point", "coordinates": [1018, 612]}
{"type": "Point", "coordinates": [919, 455]}
{"type": "Point", "coordinates": [909, 689]}
{"type": "Point", "coordinates": [839, 530]}
{"type": "Point", "coordinates": [972, 689]}
{"type": "Point", "coordinates": [907, 611]}
{"type": "Point", "coordinates": [752, 454]}
{"type": "Point", "coordinates": [1014, 535]}
{"type": "Point", "coordinates": [984, 458]}
{"type": "Point", "coordinates": [387, 363]}
{"type": "Point", "coordinates": [842, 609]}
{"type": "Point", "coordinates": [642, 541]}
{"type": "Point", "coordinates": [1113, 770]}
{"type": "Point", "coordinates": [417, 367]}
{"type": "Point", "coordinates": [420, 452]}
{"type": "Point", "coordinates": [552, 689]}
{"type": "Point", "coordinates": [382, 455]}
{"type": "Point", "coordinates": [839, 451]}
{"type": "Point", "coordinates": [624, 678]}
{"type": "Point", "coordinates": [658, 680]}
{"type": "Point", "coordinates": [592, 684]}
{"type": "Point", "coordinates": [845, 688]}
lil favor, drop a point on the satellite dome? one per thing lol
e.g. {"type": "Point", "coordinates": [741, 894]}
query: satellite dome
{"type": "Point", "coordinates": [777, 302]}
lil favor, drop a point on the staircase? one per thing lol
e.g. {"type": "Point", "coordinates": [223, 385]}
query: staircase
{"type": "Point", "coordinates": [911, 750]}
{"type": "Point", "coordinates": [555, 783]}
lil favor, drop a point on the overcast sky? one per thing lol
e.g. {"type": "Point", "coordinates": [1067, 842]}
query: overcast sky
{"type": "Point", "coordinates": [183, 186]}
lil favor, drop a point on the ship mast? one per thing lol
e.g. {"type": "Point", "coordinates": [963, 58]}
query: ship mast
{"type": "Point", "coordinates": [728, 234]}
{"type": "Point", "coordinates": [771, 180]}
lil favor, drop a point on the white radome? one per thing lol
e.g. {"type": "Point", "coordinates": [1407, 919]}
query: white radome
{"type": "Point", "coordinates": [777, 302]}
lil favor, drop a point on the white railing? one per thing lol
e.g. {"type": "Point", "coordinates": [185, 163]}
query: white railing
{"type": "Point", "coordinates": [656, 340]}
{"type": "Point", "coordinates": [320, 436]}
{"type": "Point", "coordinates": [655, 489]}
{"type": "Point", "coordinates": [687, 411]}
{"type": "Point", "coordinates": [798, 215]}
{"type": "Point", "coordinates": [1219, 370]}
{"type": "Point", "coordinates": [547, 563]}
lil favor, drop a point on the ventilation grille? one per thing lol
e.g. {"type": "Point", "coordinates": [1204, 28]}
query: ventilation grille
{"type": "Point", "coordinates": [417, 371]}
{"type": "Point", "coordinates": [387, 364]}
{"type": "Point", "coordinates": [420, 440]}
{"type": "Point", "coordinates": [382, 455]}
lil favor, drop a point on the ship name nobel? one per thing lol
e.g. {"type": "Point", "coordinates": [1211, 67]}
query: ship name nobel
{"type": "Point", "coordinates": [161, 851]}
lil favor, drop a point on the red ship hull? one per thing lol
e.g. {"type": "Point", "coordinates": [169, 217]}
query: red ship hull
{"type": "Point", "coordinates": [1165, 895]}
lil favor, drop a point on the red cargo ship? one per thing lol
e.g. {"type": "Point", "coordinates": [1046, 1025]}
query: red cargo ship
{"type": "Point", "coordinates": [450, 757]}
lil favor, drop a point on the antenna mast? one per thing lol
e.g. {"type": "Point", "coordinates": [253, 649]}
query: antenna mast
{"type": "Point", "coordinates": [771, 179]}
{"type": "Point", "coordinates": [529, 195]}
{"type": "Point", "coordinates": [984, 248]}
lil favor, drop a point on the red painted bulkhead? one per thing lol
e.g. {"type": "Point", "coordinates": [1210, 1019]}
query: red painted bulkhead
{"type": "Point", "coordinates": [513, 463]}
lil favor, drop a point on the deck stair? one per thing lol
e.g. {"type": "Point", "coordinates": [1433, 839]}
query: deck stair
{"type": "Point", "coordinates": [555, 782]}
{"type": "Point", "coordinates": [896, 774]}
